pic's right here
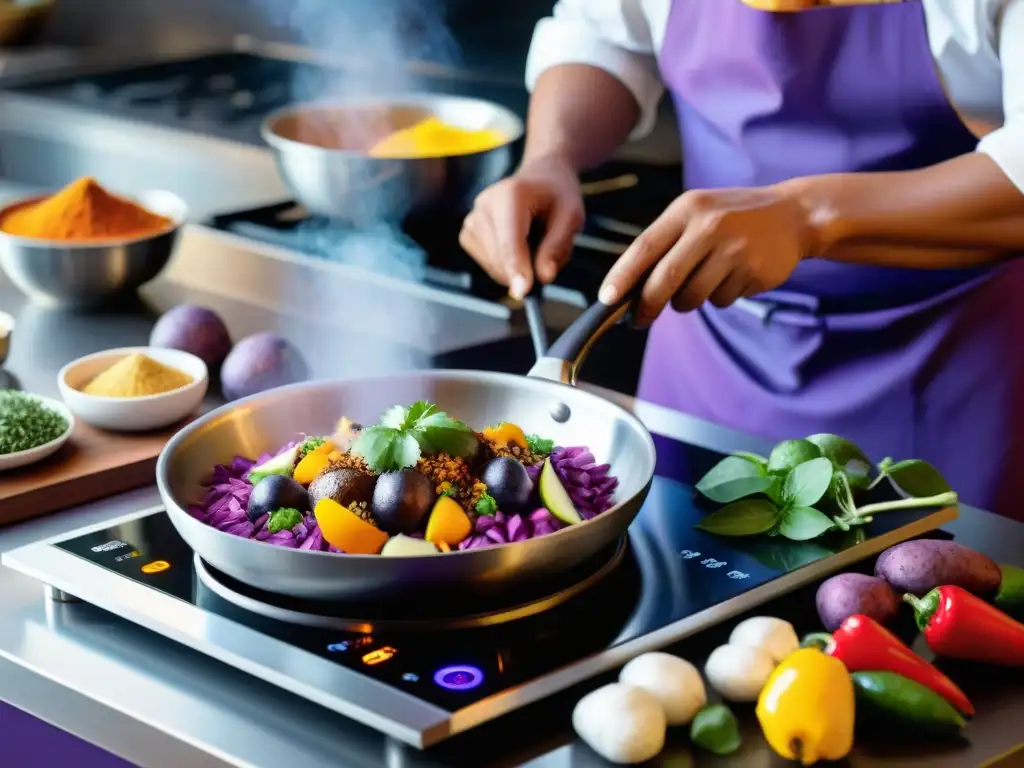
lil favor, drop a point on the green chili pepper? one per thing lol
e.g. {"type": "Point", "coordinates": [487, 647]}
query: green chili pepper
{"type": "Point", "coordinates": [902, 703]}
{"type": "Point", "coordinates": [1010, 597]}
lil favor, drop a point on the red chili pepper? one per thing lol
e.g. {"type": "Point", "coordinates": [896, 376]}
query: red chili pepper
{"type": "Point", "coordinates": [864, 645]}
{"type": "Point", "coordinates": [961, 626]}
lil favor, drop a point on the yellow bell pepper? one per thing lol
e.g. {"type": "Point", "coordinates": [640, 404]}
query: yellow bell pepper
{"type": "Point", "coordinates": [806, 708]}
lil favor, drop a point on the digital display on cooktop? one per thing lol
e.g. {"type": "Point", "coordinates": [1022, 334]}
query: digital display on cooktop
{"type": "Point", "coordinates": [670, 570]}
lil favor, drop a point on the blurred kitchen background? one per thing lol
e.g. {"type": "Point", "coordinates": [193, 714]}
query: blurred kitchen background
{"type": "Point", "coordinates": [161, 94]}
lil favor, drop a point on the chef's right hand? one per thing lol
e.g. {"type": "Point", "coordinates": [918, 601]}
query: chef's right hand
{"type": "Point", "coordinates": [496, 232]}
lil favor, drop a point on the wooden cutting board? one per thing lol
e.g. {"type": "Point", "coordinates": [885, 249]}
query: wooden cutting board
{"type": "Point", "coordinates": [91, 465]}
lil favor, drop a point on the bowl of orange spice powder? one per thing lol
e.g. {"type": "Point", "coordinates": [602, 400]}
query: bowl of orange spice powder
{"type": "Point", "coordinates": [85, 245]}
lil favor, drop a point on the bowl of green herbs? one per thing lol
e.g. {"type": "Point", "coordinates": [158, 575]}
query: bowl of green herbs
{"type": "Point", "coordinates": [31, 428]}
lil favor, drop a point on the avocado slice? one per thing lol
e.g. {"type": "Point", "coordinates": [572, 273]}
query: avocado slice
{"type": "Point", "coordinates": [283, 464]}
{"type": "Point", "coordinates": [407, 546]}
{"type": "Point", "coordinates": [555, 497]}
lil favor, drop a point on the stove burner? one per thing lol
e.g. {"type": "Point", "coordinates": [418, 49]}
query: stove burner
{"type": "Point", "coordinates": [235, 88]}
{"type": "Point", "coordinates": [416, 617]}
{"type": "Point", "coordinates": [459, 678]}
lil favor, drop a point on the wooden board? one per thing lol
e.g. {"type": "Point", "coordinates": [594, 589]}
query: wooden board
{"type": "Point", "coordinates": [91, 465]}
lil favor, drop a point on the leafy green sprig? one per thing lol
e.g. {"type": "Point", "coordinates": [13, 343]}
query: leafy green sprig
{"type": "Point", "coordinates": [541, 446]}
{"type": "Point", "coordinates": [307, 445]}
{"type": "Point", "coordinates": [406, 433]}
{"type": "Point", "coordinates": [807, 488]}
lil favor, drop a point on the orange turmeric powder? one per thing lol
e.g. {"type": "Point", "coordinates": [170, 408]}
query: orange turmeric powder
{"type": "Point", "coordinates": [82, 211]}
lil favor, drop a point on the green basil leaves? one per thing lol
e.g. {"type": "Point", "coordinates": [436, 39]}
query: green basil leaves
{"type": "Point", "coordinates": [808, 487]}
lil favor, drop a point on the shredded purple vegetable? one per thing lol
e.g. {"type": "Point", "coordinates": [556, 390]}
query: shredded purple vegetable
{"type": "Point", "coordinates": [500, 528]}
{"type": "Point", "coordinates": [223, 506]}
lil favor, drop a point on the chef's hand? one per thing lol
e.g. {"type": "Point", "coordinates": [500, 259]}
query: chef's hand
{"type": "Point", "coordinates": [713, 245]}
{"type": "Point", "coordinates": [496, 231]}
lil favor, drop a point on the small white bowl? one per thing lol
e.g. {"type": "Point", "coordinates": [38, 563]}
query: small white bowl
{"type": "Point", "coordinates": [40, 452]}
{"type": "Point", "coordinates": [133, 414]}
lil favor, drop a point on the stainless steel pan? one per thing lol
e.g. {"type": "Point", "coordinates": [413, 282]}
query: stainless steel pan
{"type": "Point", "coordinates": [545, 402]}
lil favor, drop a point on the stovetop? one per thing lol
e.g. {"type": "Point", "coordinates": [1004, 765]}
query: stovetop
{"type": "Point", "coordinates": [228, 94]}
{"type": "Point", "coordinates": [425, 682]}
{"type": "Point", "coordinates": [426, 249]}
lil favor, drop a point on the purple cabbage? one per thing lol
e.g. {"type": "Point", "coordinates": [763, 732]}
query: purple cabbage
{"type": "Point", "coordinates": [227, 496]}
{"type": "Point", "coordinates": [589, 485]}
{"type": "Point", "coordinates": [489, 530]}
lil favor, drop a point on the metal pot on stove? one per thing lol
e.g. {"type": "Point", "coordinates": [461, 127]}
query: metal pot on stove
{"type": "Point", "coordinates": [323, 154]}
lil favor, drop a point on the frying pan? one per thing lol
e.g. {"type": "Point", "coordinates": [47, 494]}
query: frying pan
{"type": "Point", "coordinates": [545, 402]}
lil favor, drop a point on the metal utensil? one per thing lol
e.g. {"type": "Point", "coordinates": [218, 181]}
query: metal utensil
{"type": "Point", "coordinates": [614, 184]}
{"type": "Point", "coordinates": [322, 153]}
{"type": "Point", "coordinates": [542, 402]}
{"type": "Point", "coordinates": [618, 227]}
{"type": "Point", "coordinates": [77, 274]}
{"type": "Point", "coordinates": [533, 306]}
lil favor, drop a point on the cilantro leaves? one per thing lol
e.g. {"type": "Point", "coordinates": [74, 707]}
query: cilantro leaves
{"type": "Point", "coordinates": [405, 433]}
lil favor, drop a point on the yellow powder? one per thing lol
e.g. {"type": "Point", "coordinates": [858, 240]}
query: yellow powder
{"type": "Point", "coordinates": [433, 138]}
{"type": "Point", "coordinates": [136, 376]}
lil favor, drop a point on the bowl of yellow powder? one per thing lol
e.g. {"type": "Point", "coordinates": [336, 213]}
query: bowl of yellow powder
{"type": "Point", "coordinates": [134, 389]}
{"type": "Point", "coordinates": [366, 160]}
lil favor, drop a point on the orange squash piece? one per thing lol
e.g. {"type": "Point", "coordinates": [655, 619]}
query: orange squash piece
{"type": "Point", "coordinates": [505, 434]}
{"type": "Point", "coordinates": [448, 524]}
{"type": "Point", "coordinates": [344, 529]}
{"type": "Point", "coordinates": [326, 447]}
{"type": "Point", "coordinates": [312, 464]}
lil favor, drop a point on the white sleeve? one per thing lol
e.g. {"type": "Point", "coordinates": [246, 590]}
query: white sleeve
{"type": "Point", "coordinates": [1006, 145]}
{"type": "Point", "coordinates": [613, 35]}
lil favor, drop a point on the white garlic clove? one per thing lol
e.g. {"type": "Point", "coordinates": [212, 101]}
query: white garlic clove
{"type": "Point", "coordinates": [775, 636]}
{"type": "Point", "coordinates": [621, 723]}
{"type": "Point", "coordinates": [675, 682]}
{"type": "Point", "coordinates": [738, 672]}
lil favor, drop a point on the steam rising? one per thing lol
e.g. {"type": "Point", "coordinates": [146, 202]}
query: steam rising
{"type": "Point", "coordinates": [371, 41]}
{"type": "Point", "coordinates": [370, 46]}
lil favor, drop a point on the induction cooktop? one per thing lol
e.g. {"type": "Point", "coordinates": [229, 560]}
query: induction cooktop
{"type": "Point", "coordinates": [423, 673]}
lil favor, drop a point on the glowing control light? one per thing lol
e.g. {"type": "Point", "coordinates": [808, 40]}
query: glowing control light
{"type": "Point", "coordinates": [157, 566]}
{"type": "Point", "coordinates": [460, 677]}
{"type": "Point", "coordinates": [379, 656]}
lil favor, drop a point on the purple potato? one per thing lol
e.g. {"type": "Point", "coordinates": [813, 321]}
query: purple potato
{"type": "Point", "coordinates": [193, 329]}
{"type": "Point", "coordinates": [848, 594]}
{"type": "Point", "coordinates": [920, 566]}
{"type": "Point", "coordinates": [260, 362]}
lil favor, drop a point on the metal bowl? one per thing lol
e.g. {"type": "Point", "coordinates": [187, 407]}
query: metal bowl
{"type": "Point", "coordinates": [322, 152]}
{"type": "Point", "coordinates": [82, 274]}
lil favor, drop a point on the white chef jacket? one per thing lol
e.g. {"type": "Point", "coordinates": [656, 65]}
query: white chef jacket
{"type": "Point", "coordinates": [978, 47]}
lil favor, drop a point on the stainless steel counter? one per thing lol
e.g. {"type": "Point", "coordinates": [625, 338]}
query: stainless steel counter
{"type": "Point", "coordinates": [161, 706]}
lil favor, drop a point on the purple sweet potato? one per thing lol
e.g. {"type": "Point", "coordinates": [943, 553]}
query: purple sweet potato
{"type": "Point", "coordinates": [921, 565]}
{"type": "Point", "coordinates": [847, 594]}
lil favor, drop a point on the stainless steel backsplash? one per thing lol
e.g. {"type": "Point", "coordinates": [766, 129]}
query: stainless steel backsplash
{"type": "Point", "coordinates": [186, 25]}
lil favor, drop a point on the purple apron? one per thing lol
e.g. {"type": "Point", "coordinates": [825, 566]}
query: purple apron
{"type": "Point", "coordinates": [907, 363]}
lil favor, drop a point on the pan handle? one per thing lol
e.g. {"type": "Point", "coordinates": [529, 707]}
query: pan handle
{"type": "Point", "coordinates": [565, 357]}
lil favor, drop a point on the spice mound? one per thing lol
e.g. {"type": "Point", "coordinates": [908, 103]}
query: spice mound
{"type": "Point", "coordinates": [81, 212]}
{"type": "Point", "coordinates": [26, 422]}
{"type": "Point", "coordinates": [433, 138]}
{"type": "Point", "coordinates": [136, 376]}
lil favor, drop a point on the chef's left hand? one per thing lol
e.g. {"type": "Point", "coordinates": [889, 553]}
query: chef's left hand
{"type": "Point", "coordinates": [713, 245]}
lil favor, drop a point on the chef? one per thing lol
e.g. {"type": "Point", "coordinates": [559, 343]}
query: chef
{"type": "Point", "coordinates": [842, 258]}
